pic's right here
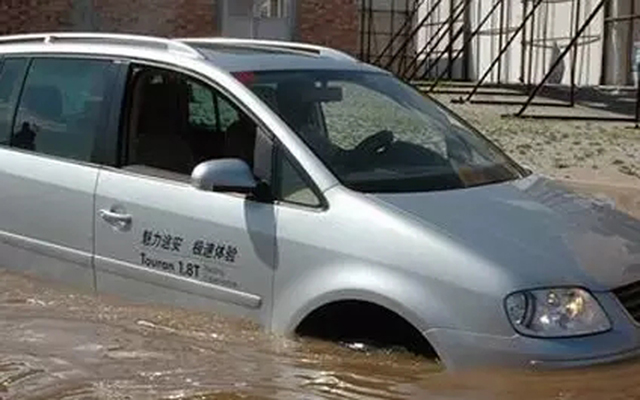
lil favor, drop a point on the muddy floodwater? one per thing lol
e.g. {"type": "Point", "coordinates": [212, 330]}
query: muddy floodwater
{"type": "Point", "coordinates": [56, 343]}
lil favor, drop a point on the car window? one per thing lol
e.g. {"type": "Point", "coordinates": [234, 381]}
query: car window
{"type": "Point", "coordinates": [209, 110]}
{"type": "Point", "coordinates": [11, 76]}
{"type": "Point", "coordinates": [201, 106]}
{"type": "Point", "coordinates": [377, 134]}
{"type": "Point", "coordinates": [228, 114]}
{"type": "Point", "coordinates": [62, 106]}
{"type": "Point", "coordinates": [290, 186]}
{"type": "Point", "coordinates": [173, 122]}
{"type": "Point", "coordinates": [176, 122]}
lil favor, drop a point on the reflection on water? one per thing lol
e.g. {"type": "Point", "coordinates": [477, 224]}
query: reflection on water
{"type": "Point", "coordinates": [59, 344]}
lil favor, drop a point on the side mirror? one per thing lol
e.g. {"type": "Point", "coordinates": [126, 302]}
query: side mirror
{"type": "Point", "coordinates": [224, 175]}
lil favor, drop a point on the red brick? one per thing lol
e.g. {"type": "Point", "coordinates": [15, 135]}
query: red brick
{"type": "Point", "coordinates": [332, 23]}
{"type": "Point", "coordinates": [157, 17]}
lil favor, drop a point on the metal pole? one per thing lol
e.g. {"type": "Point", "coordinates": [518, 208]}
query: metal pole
{"type": "Point", "coordinates": [631, 33]}
{"type": "Point", "coordinates": [392, 18]}
{"type": "Point", "coordinates": [500, 34]}
{"type": "Point", "coordinates": [415, 30]}
{"type": "Point", "coordinates": [437, 36]}
{"type": "Point", "coordinates": [363, 7]}
{"type": "Point", "coordinates": [370, 32]}
{"type": "Point", "coordinates": [545, 25]}
{"type": "Point", "coordinates": [437, 60]}
{"type": "Point", "coordinates": [469, 39]}
{"type": "Point", "coordinates": [638, 100]}
{"type": "Point", "coordinates": [403, 59]}
{"type": "Point", "coordinates": [530, 62]}
{"type": "Point", "coordinates": [574, 55]}
{"type": "Point", "coordinates": [562, 55]}
{"type": "Point", "coordinates": [536, 4]}
{"type": "Point", "coordinates": [623, 17]}
{"type": "Point", "coordinates": [523, 43]}
{"type": "Point", "coordinates": [465, 47]}
{"type": "Point", "coordinates": [451, 38]}
{"type": "Point", "coordinates": [406, 24]}
{"type": "Point", "coordinates": [407, 29]}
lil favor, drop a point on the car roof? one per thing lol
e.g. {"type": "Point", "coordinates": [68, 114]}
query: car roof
{"type": "Point", "coordinates": [241, 58]}
{"type": "Point", "coordinates": [229, 54]}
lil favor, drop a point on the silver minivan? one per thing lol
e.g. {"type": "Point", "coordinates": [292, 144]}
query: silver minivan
{"type": "Point", "coordinates": [314, 194]}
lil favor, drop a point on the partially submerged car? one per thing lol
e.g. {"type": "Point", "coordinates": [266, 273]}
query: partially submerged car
{"type": "Point", "coordinates": [298, 187]}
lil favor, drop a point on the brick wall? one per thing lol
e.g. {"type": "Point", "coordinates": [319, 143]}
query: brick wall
{"type": "Point", "coordinates": [332, 23]}
{"type": "Point", "coordinates": [34, 15]}
{"type": "Point", "coordinates": [156, 17]}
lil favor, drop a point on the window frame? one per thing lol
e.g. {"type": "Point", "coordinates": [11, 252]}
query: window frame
{"type": "Point", "coordinates": [109, 114]}
{"type": "Point", "coordinates": [217, 89]}
{"type": "Point", "coordinates": [14, 111]}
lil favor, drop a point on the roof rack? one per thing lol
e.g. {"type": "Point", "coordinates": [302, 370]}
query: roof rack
{"type": "Point", "coordinates": [273, 44]}
{"type": "Point", "coordinates": [105, 38]}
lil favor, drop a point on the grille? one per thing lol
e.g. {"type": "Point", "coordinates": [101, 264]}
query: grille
{"type": "Point", "coordinates": [629, 296]}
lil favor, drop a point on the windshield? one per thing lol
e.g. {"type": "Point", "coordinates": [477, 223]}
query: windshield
{"type": "Point", "coordinates": [377, 134]}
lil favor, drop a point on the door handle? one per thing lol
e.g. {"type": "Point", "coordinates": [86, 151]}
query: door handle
{"type": "Point", "coordinates": [117, 220]}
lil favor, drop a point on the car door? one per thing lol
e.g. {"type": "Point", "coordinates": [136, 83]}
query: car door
{"type": "Point", "coordinates": [157, 238]}
{"type": "Point", "coordinates": [49, 123]}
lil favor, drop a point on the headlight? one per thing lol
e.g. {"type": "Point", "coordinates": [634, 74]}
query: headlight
{"type": "Point", "coordinates": [556, 313]}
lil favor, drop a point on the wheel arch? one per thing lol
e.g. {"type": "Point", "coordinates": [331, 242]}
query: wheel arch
{"type": "Point", "coordinates": [399, 292]}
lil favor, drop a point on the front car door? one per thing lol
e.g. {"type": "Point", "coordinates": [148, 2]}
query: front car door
{"type": "Point", "coordinates": [50, 125]}
{"type": "Point", "coordinates": [157, 238]}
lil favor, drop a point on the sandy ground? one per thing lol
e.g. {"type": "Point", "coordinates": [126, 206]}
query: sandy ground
{"type": "Point", "coordinates": [594, 157]}
{"type": "Point", "coordinates": [601, 151]}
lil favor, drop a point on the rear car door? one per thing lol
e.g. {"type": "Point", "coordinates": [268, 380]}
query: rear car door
{"type": "Point", "coordinates": [158, 239]}
{"type": "Point", "coordinates": [51, 121]}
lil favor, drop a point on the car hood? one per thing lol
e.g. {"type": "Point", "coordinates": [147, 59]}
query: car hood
{"type": "Point", "coordinates": [542, 232]}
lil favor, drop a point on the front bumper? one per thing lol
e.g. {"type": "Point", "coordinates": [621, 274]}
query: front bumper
{"type": "Point", "coordinates": [462, 349]}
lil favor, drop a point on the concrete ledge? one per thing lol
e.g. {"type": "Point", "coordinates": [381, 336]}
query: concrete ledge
{"type": "Point", "coordinates": [626, 197]}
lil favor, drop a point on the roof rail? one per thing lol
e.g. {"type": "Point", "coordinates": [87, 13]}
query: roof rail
{"type": "Point", "coordinates": [274, 44]}
{"type": "Point", "coordinates": [105, 38]}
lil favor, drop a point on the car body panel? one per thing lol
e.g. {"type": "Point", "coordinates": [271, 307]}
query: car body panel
{"type": "Point", "coordinates": [468, 349]}
{"type": "Point", "coordinates": [227, 240]}
{"type": "Point", "coordinates": [577, 241]}
{"type": "Point", "coordinates": [398, 259]}
{"type": "Point", "coordinates": [44, 197]}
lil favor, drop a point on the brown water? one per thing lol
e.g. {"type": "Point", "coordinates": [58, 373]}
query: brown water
{"type": "Point", "coordinates": [60, 344]}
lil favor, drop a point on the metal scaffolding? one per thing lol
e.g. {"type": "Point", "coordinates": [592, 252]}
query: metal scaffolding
{"type": "Point", "coordinates": [431, 43]}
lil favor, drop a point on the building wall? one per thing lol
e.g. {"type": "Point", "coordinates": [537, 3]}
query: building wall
{"type": "Point", "coordinates": [35, 15]}
{"type": "Point", "coordinates": [622, 43]}
{"type": "Point", "coordinates": [160, 17]}
{"type": "Point", "coordinates": [333, 23]}
{"type": "Point", "coordinates": [386, 30]}
{"type": "Point", "coordinates": [328, 22]}
{"type": "Point", "coordinates": [552, 28]}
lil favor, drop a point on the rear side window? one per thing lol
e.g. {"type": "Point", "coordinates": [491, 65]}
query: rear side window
{"type": "Point", "coordinates": [62, 107]}
{"type": "Point", "coordinates": [11, 76]}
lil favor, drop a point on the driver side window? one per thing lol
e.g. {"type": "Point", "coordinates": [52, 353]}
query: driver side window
{"type": "Point", "coordinates": [176, 122]}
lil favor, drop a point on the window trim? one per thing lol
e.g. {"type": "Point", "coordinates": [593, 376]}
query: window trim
{"type": "Point", "coordinates": [220, 89]}
{"type": "Point", "coordinates": [16, 107]}
{"type": "Point", "coordinates": [14, 111]}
